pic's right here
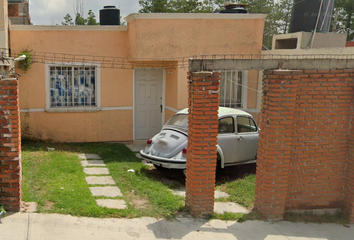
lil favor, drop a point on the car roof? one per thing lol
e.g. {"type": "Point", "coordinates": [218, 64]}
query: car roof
{"type": "Point", "coordinates": [223, 111]}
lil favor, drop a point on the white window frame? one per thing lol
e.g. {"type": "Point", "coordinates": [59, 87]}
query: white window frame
{"type": "Point", "coordinates": [79, 108]}
{"type": "Point", "coordinates": [244, 89]}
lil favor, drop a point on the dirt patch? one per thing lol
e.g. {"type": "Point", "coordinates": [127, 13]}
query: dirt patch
{"type": "Point", "coordinates": [48, 205]}
{"type": "Point", "coordinates": [140, 203]}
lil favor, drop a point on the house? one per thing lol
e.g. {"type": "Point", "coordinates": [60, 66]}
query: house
{"type": "Point", "coordinates": [122, 83]}
{"type": "Point", "coordinates": [18, 11]}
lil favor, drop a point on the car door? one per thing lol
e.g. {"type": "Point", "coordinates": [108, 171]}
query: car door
{"type": "Point", "coordinates": [247, 139]}
{"type": "Point", "coordinates": [227, 139]}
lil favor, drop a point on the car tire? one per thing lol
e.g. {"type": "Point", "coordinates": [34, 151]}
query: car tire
{"type": "Point", "coordinates": [218, 163]}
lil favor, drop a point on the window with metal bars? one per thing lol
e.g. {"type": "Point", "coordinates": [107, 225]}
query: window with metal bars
{"type": "Point", "coordinates": [72, 86]}
{"type": "Point", "coordinates": [231, 89]}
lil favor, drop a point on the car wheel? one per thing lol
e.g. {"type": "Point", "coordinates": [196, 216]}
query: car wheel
{"type": "Point", "coordinates": [218, 163]}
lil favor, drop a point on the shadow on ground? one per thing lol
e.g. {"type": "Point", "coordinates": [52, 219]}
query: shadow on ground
{"type": "Point", "coordinates": [175, 178]}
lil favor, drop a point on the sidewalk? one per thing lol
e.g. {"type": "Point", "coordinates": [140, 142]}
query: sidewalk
{"type": "Point", "coordinates": [35, 226]}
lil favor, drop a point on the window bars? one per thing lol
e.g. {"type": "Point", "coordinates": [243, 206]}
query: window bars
{"type": "Point", "coordinates": [72, 86]}
{"type": "Point", "coordinates": [231, 89]}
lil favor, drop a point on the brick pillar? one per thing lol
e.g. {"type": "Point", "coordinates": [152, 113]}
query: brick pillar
{"type": "Point", "coordinates": [203, 103]}
{"type": "Point", "coordinates": [275, 142]}
{"type": "Point", "coordinates": [349, 186]}
{"type": "Point", "coordinates": [10, 145]}
{"type": "Point", "coordinates": [349, 183]}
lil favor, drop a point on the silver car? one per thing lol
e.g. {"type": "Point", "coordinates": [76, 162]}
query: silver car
{"type": "Point", "coordinates": [237, 140]}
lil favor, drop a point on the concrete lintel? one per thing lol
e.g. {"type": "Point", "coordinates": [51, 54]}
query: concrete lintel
{"type": "Point", "coordinates": [197, 65]}
{"type": "Point", "coordinates": [203, 73]}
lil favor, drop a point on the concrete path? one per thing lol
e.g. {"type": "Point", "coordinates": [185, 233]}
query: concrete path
{"type": "Point", "coordinates": [219, 207]}
{"type": "Point", "coordinates": [34, 226]}
{"type": "Point", "coordinates": [99, 175]}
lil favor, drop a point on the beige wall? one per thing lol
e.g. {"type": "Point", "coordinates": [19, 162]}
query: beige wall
{"type": "Point", "coordinates": [4, 24]}
{"type": "Point", "coordinates": [148, 37]}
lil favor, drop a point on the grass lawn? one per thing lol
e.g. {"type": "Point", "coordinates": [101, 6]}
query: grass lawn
{"type": "Point", "coordinates": [56, 181]}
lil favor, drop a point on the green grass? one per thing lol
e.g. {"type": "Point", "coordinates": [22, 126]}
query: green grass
{"type": "Point", "coordinates": [56, 181]}
{"type": "Point", "coordinates": [241, 191]}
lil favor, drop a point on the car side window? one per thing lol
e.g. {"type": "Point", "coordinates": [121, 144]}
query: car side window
{"type": "Point", "coordinates": [245, 124]}
{"type": "Point", "coordinates": [226, 125]}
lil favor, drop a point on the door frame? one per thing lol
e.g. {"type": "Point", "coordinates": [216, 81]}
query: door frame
{"type": "Point", "coordinates": [163, 95]}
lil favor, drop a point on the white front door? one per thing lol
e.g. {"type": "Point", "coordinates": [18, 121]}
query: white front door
{"type": "Point", "coordinates": [148, 103]}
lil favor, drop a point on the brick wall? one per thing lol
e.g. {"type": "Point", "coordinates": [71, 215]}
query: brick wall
{"type": "Point", "coordinates": [349, 44]}
{"type": "Point", "coordinates": [303, 152]}
{"type": "Point", "coordinates": [203, 103]}
{"type": "Point", "coordinates": [13, 10]}
{"type": "Point", "coordinates": [10, 145]}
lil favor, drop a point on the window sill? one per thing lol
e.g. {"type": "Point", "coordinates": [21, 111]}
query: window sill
{"type": "Point", "coordinates": [73, 109]}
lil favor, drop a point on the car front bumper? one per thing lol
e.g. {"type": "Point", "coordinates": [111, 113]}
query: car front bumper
{"type": "Point", "coordinates": [164, 162]}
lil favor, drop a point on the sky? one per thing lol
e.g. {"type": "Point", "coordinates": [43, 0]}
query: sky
{"type": "Point", "coordinates": [52, 12]}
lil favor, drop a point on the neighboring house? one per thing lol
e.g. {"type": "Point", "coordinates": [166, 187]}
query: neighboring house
{"type": "Point", "coordinates": [18, 11]}
{"type": "Point", "coordinates": [83, 101]}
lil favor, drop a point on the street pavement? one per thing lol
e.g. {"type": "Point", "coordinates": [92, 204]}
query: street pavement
{"type": "Point", "coordinates": [36, 226]}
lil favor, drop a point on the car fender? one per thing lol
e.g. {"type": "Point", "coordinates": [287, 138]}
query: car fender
{"type": "Point", "coordinates": [221, 154]}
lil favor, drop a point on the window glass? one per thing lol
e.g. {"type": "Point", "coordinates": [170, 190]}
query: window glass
{"type": "Point", "coordinates": [226, 125]}
{"type": "Point", "coordinates": [72, 86]}
{"type": "Point", "coordinates": [231, 89]}
{"type": "Point", "coordinates": [179, 120]}
{"type": "Point", "coordinates": [245, 124]}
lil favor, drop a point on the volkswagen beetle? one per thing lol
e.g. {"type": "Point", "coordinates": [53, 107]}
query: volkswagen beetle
{"type": "Point", "coordinates": [237, 140]}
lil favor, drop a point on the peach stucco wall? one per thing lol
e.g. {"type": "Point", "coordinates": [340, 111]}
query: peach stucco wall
{"type": "Point", "coordinates": [78, 127]}
{"type": "Point", "coordinates": [206, 35]}
{"type": "Point", "coordinates": [147, 37]}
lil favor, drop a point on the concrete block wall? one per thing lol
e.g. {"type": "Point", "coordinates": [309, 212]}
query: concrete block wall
{"type": "Point", "coordinates": [305, 157]}
{"type": "Point", "coordinates": [10, 145]}
{"type": "Point", "coordinates": [203, 103]}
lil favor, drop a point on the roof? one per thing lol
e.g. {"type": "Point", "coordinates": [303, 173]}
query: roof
{"type": "Point", "coordinates": [223, 111]}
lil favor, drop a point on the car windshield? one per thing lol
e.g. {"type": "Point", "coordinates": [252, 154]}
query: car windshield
{"type": "Point", "coordinates": [179, 120]}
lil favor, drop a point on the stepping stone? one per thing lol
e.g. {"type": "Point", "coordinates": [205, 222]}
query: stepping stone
{"type": "Point", "coordinates": [220, 194]}
{"type": "Point", "coordinates": [93, 163]}
{"type": "Point", "coordinates": [111, 203]}
{"type": "Point", "coordinates": [106, 191]}
{"type": "Point", "coordinates": [100, 180]}
{"type": "Point", "coordinates": [182, 192]}
{"type": "Point", "coordinates": [221, 207]}
{"type": "Point", "coordinates": [96, 171]}
{"type": "Point", "coordinates": [86, 156]}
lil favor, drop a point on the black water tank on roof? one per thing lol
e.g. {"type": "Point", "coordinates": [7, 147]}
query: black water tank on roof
{"type": "Point", "coordinates": [109, 15]}
{"type": "Point", "coordinates": [305, 13]}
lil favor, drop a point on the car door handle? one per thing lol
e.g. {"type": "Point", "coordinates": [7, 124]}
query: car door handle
{"type": "Point", "coordinates": [240, 138]}
{"type": "Point", "coordinates": [161, 108]}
